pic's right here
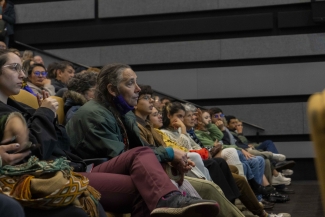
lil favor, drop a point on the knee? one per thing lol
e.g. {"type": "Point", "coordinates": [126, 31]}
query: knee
{"type": "Point", "coordinates": [194, 156]}
{"type": "Point", "coordinates": [268, 142]}
{"type": "Point", "coordinates": [140, 150]}
{"type": "Point", "coordinates": [10, 207]}
{"type": "Point", "coordinates": [233, 169]}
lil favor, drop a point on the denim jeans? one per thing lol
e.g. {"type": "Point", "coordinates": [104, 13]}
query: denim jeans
{"type": "Point", "coordinates": [253, 168]}
{"type": "Point", "coordinates": [267, 145]}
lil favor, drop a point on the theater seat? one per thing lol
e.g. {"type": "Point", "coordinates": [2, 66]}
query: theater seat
{"type": "Point", "coordinates": [27, 98]}
{"type": "Point", "coordinates": [60, 111]}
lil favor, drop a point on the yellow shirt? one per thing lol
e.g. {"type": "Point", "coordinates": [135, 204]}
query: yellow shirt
{"type": "Point", "coordinates": [169, 142]}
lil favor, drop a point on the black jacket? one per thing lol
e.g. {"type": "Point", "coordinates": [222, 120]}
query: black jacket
{"type": "Point", "coordinates": [9, 16]}
{"type": "Point", "coordinates": [50, 138]}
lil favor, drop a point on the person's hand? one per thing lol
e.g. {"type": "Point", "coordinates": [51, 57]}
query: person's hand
{"type": "Point", "coordinates": [251, 146]}
{"type": "Point", "coordinates": [247, 155]}
{"type": "Point", "coordinates": [177, 123]}
{"type": "Point", "coordinates": [41, 97]}
{"type": "Point", "coordinates": [11, 159]}
{"type": "Point", "coordinates": [181, 161]}
{"type": "Point", "coordinates": [220, 125]}
{"type": "Point", "coordinates": [50, 103]}
{"type": "Point", "coordinates": [46, 81]}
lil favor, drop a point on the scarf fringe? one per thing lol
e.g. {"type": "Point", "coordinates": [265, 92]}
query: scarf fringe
{"type": "Point", "coordinates": [21, 189]}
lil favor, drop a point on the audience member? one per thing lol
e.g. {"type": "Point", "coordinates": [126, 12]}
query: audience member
{"type": "Point", "coordinates": [8, 15]}
{"type": "Point", "coordinates": [164, 101]}
{"type": "Point", "coordinates": [15, 51]}
{"type": "Point", "coordinates": [92, 69]}
{"type": "Point", "coordinates": [267, 145]}
{"type": "Point", "coordinates": [38, 59]}
{"type": "Point", "coordinates": [157, 103]}
{"type": "Point", "coordinates": [108, 120]}
{"type": "Point", "coordinates": [81, 89]}
{"type": "Point", "coordinates": [26, 66]}
{"type": "Point", "coordinates": [277, 177]}
{"type": "Point", "coordinates": [36, 76]}
{"type": "Point", "coordinates": [28, 55]}
{"type": "Point", "coordinates": [60, 74]}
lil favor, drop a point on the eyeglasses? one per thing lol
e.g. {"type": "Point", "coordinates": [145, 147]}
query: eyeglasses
{"type": "Point", "coordinates": [38, 73]}
{"type": "Point", "coordinates": [16, 67]}
{"type": "Point", "coordinates": [146, 97]}
{"type": "Point", "coordinates": [219, 116]}
{"type": "Point", "coordinates": [157, 114]}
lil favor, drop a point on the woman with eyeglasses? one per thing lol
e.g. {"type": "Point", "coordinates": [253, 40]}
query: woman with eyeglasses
{"type": "Point", "coordinates": [36, 80]}
{"type": "Point", "coordinates": [41, 130]}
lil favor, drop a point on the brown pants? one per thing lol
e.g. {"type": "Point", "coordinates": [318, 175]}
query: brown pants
{"type": "Point", "coordinates": [247, 196]}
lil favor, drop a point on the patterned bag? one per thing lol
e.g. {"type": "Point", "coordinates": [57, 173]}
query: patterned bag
{"type": "Point", "coordinates": [48, 185]}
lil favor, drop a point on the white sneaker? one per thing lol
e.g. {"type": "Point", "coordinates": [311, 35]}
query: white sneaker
{"type": "Point", "coordinates": [279, 157]}
{"type": "Point", "coordinates": [287, 172]}
{"type": "Point", "coordinates": [279, 215]}
{"type": "Point", "coordinates": [280, 180]}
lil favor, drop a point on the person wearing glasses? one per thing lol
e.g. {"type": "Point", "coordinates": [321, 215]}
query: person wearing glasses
{"type": "Point", "coordinates": [36, 76]}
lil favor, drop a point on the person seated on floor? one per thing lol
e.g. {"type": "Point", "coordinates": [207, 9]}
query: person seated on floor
{"type": "Point", "coordinates": [60, 74]}
{"type": "Point", "coordinates": [277, 178]}
{"type": "Point", "coordinates": [246, 194]}
{"type": "Point", "coordinates": [81, 89]}
{"type": "Point", "coordinates": [38, 59]}
{"type": "Point", "coordinates": [220, 175]}
{"type": "Point", "coordinates": [267, 145]}
{"type": "Point", "coordinates": [35, 80]}
{"type": "Point", "coordinates": [106, 127]}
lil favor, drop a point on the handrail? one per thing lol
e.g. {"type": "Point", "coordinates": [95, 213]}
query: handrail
{"type": "Point", "coordinates": [155, 91]}
{"type": "Point", "coordinates": [49, 54]}
{"type": "Point", "coordinates": [253, 125]}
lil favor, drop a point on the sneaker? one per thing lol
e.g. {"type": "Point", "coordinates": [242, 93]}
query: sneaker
{"type": "Point", "coordinates": [277, 198]}
{"type": "Point", "coordinates": [280, 180]}
{"type": "Point", "coordinates": [287, 172]}
{"type": "Point", "coordinates": [177, 204]}
{"type": "Point", "coordinates": [279, 215]}
{"type": "Point", "coordinates": [279, 157]}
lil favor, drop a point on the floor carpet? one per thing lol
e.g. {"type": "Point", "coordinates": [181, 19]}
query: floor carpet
{"type": "Point", "coordinates": [306, 202]}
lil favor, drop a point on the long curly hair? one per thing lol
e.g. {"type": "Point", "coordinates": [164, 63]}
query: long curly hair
{"type": "Point", "coordinates": [110, 74]}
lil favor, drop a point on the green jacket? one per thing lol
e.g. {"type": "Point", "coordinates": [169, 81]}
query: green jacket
{"type": "Point", "coordinates": [95, 133]}
{"type": "Point", "coordinates": [212, 134]}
